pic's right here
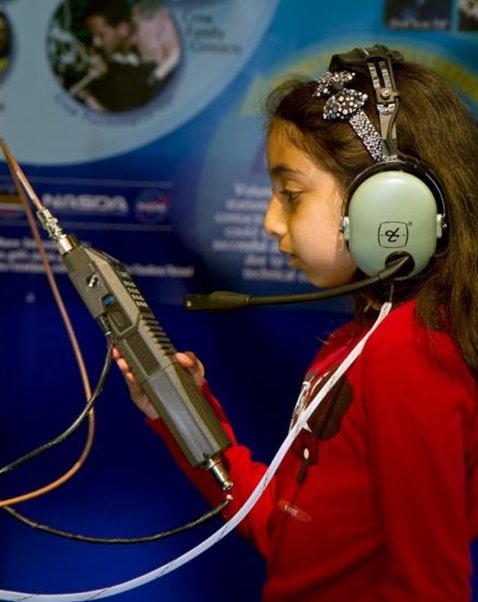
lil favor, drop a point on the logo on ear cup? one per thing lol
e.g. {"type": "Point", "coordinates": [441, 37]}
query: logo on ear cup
{"type": "Point", "coordinates": [393, 234]}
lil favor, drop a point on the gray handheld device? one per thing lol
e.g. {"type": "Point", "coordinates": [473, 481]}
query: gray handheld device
{"type": "Point", "coordinates": [120, 309]}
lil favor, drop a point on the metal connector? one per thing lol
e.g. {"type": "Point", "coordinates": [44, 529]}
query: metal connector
{"type": "Point", "coordinates": [64, 243]}
{"type": "Point", "coordinates": [216, 467]}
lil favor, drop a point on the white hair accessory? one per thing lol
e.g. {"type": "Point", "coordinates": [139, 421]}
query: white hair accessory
{"type": "Point", "coordinates": [346, 104]}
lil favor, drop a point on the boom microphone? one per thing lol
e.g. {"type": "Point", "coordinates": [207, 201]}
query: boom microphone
{"type": "Point", "coordinates": [398, 264]}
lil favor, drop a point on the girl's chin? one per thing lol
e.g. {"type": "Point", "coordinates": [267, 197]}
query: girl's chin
{"type": "Point", "coordinates": [323, 282]}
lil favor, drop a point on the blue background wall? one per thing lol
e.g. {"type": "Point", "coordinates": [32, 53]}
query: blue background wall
{"type": "Point", "coordinates": [159, 187]}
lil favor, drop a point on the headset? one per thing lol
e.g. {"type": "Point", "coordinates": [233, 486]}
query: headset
{"type": "Point", "coordinates": [397, 205]}
{"type": "Point", "coordinates": [396, 217]}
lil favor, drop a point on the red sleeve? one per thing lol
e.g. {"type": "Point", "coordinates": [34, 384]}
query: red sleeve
{"type": "Point", "coordinates": [244, 473]}
{"type": "Point", "coordinates": [420, 415]}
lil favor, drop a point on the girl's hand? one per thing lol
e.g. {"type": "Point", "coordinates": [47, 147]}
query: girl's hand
{"type": "Point", "coordinates": [187, 360]}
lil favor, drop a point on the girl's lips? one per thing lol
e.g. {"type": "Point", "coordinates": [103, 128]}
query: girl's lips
{"type": "Point", "coordinates": [290, 258]}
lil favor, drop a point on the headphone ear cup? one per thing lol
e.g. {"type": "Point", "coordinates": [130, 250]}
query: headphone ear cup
{"type": "Point", "coordinates": [388, 212]}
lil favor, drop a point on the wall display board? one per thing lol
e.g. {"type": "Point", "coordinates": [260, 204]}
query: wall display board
{"type": "Point", "coordinates": [147, 143]}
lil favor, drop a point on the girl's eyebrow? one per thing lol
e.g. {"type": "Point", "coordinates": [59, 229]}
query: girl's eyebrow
{"type": "Point", "coordinates": [283, 169]}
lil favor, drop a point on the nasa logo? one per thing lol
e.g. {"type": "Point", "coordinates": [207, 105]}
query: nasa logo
{"type": "Point", "coordinates": [152, 206]}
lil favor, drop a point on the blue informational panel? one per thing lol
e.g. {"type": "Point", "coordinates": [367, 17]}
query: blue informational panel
{"type": "Point", "coordinates": [167, 174]}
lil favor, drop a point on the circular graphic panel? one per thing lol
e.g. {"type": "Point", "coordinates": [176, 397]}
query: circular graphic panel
{"type": "Point", "coordinates": [111, 56]}
{"type": "Point", "coordinates": [90, 83]}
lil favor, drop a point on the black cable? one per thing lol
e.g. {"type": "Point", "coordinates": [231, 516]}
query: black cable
{"type": "Point", "coordinates": [119, 540]}
{"type": "Point", "coordinates": [75, 424]}
{"type": "Point", "coordinates": [87, 538]}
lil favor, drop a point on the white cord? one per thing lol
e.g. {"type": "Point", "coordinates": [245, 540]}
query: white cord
{"type": "Point", "coordinates": [234, 521]}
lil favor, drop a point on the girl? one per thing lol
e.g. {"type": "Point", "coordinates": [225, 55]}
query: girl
{"type": "Point", "coordinates": [376, 499]}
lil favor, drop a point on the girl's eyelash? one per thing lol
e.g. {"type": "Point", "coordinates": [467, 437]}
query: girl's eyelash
{"type": "Point", "coordinates": [290, 195]}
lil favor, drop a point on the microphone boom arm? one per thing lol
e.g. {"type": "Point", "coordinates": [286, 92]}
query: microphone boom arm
{"type": "Point", "coordinates": [228, 300]}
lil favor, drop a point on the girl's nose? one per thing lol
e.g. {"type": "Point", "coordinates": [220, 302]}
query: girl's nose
{"type": "Point", "coordinates": [273, 219]}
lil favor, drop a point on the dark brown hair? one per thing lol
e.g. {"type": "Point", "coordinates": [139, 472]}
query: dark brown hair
{"type": "Point", "coordinates": [434, 126]}
{"type": "Point", "coordinates": [114, 12]}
